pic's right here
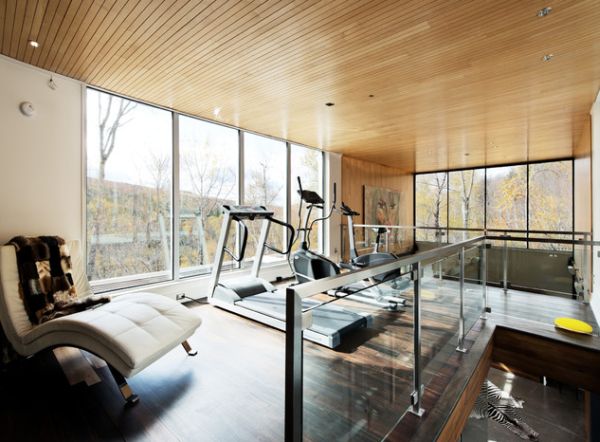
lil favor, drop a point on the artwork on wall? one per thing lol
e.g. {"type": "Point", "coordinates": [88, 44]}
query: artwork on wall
{"type": "Point", "coordinates": [382, 207]}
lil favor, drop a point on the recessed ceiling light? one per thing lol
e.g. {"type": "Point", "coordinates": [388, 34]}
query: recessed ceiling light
{"type": "Point", "coordinates": [33, 43]}
{"type": "Point", "coordinates": [216, 111]}
{"type": "Point", "coordinates": [547, 57]}
{"type": "Point", "coordinates": [330, 104]}
{"type": "Point", "coordinates": [544, 11]}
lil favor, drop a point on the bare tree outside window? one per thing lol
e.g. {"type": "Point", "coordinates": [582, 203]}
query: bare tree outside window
{"type": "Point", "coordinates": [208, 165]}
{"type": "Point", "coordinates": [128, 189]}
{"type": "Point", "coordinates": [431, 193]}
{"type": "Point", "coordinates": [308, 165]}
{"type": "Point", "coordinates": [466, 200]}
{"type": "Point", "coordinates": [265, 162]}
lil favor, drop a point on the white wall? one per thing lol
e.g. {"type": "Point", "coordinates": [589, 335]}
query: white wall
{"type": "Point", "coordinates": [40, 156]}
{"type": "Point", "coordinates": [595, 303]}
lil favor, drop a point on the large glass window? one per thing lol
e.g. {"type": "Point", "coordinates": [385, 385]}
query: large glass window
{"type": "Point", "coordinates": [466, 199]}
{"type": "Point", "coordinates": [551, 201]}
{"type": "Point", "coordinates": [308, 165]}
{"type": "Point", "coordinates": [128, 207]}
{"type": "Point", "coordinates": [208, 157]}
{"type": "Point", "coordinates": [431, 196]}
{"type": "Point", "coordinates": [525, 197]}
{"type": "Point", "coordinates": [131, 234]}
{"type": "Point", "coordinates": [265, 176]}
{"type": "Point", "coordinates": [507, 197]}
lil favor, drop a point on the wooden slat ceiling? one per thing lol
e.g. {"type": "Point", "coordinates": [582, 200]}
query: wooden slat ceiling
{"type": "Point", "coordinates": [447, 78]}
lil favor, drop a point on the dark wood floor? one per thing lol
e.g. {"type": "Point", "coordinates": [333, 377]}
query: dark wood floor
{"type": "Point", "coordinates": [234, 389]}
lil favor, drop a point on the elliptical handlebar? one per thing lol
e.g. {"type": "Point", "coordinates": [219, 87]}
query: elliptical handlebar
{"type": "Point", "coordinates": [334, 195]}
{"type": "Point", "coordinates": [347, 211]}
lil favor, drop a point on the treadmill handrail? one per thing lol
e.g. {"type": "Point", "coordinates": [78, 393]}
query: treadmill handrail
{"type": "Point", "coordinates": [291, 237]}
{"type": "Point", "coordinates": [243, 243]}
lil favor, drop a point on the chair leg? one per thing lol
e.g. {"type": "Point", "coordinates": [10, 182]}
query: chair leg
{"type": "Point", "coordinates": [188, 348]}
{"type": "Point", "coordinates": [130, 397]}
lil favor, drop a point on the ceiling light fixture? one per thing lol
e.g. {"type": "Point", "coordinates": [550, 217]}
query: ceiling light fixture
{"type": "Point", "coordinates": [544, 11]}
{"type": "Point", "coordinates": [216, 111]}
{"type": "Point", "coordinates": [329, 104]}
{"type": "Point", "coordinates": [547, 57]}
{"type": "Point", "coordinates": [33, 43]}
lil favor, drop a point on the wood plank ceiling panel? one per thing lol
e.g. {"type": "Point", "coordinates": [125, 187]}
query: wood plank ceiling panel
{"type": "Point", "coordinates": [417, 85]}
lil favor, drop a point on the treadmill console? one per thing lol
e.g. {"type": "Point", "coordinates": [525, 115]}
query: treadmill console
{"type": "Point", "coordinates": [248, 212]}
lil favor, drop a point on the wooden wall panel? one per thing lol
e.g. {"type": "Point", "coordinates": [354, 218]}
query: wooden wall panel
{"type": "Point", "coordinates": [357, 173]}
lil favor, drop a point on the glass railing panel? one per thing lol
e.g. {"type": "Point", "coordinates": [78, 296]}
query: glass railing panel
{"type": "Point", "coordinates": [473, 295]}
{"type": "Point", "coordinates": [439, 314]}
{"type": "Point", "coordinates": [360, 390]}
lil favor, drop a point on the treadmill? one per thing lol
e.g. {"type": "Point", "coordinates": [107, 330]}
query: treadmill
{"type": "Point", "coordinates": [257, 299]}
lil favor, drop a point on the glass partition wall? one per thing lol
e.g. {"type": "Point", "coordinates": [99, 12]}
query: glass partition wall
{"type": "Point", "coordinates": [156, 181]}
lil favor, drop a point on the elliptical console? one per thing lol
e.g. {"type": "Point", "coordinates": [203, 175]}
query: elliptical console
{"type": "Point", "coordinates": [309, 265]}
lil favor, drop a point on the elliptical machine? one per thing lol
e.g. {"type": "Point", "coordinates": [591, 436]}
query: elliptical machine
{"type": "Point", "coordinates": [309, 266]}
{"type": "Point", "coordinates": [306, 264]}
{"type": "Point", "coordinates": [375, 257]}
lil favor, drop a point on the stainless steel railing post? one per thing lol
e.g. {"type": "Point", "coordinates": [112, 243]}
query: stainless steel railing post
{"type": "Point", "coordinates": [483, 270]}
{"type": "Point", "coordinates": [416, 395]}
{"type": "Point", "coordinates": [293, 368]}
{"type": "Point", "coordinates": [505, 265]}
{"type": "Point", "coordinates": [461, 314]}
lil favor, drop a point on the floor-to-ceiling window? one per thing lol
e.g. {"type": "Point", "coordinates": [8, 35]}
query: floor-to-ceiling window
{"type": "Point", "coordinates": [518, 199]}
{"type": "Point", "coordinates": [308, 165]}
{"type": "Point", "coordinates": [129, 179]}
{"type": "Point", "coordinates": [431, 205]}
{"type": "Point", "coordinates": [134, 188]}
{"type": "Point", "coordinates": [265, 184]}
{"type": "Point", "coordinates": [208, 173]}
{"type": "Point", "coordinates": [551, 200]}
{"type": "Point", "coordinates": [466, 200]}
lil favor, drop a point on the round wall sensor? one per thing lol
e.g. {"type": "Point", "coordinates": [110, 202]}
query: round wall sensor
{"type": "Point", "coordinates": [27, 109]}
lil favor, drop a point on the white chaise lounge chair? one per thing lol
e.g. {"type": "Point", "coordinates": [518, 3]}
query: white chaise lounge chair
{"type": "Point", "coordinates": [129, 333]}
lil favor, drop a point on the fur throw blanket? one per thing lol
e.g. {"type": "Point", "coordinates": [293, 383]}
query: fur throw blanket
{"type": "Point", "coordinates": [45, 279]}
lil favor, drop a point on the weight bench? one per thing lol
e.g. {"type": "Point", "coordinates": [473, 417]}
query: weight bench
{"type": "Point", "coordinates": [129, 333]}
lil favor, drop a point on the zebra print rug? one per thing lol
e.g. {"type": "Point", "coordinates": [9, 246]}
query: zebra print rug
{"type": "Point", "coordinates": [495, 404]}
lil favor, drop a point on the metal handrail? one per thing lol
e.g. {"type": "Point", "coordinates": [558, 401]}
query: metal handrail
{"type": "Point", "coordinates": [323, 285]}
{"type": "Point", "coordinates": [472, 229]}
{"type": "Point", "coordinates": [575, 242]}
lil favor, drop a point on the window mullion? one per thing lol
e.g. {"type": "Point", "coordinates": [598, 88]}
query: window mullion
{"type": "Point", "coordinates": [176, 199]}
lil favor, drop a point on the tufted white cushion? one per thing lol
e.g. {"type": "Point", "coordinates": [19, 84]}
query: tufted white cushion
{"type": "Point", "coordinates": [130, 332]}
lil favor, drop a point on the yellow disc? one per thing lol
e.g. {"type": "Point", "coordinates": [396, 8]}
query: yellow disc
{"type": "Point", "coordinates": [574, 325]}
